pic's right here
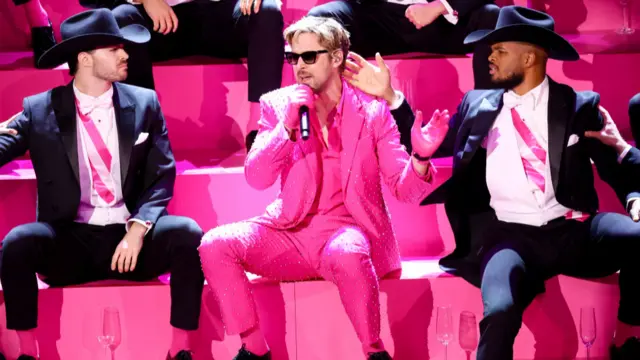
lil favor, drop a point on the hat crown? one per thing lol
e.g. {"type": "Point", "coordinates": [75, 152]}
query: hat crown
{"type": "Point", "coordinates": [100, 21]}
{"type": "Point", "coordinates": [518, 15]}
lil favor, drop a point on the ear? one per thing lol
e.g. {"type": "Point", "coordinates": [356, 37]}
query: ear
{"type": "Point", "coordinates": [337, 58]}
{"type": "Point", "coordinates": [84, 59]}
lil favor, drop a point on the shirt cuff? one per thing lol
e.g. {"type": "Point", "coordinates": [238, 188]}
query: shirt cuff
{"type": "Point", "coordinates": [629, 203]}
{"type": "Point", "coordinates": [451, 15]}
{"type": "Point", "coordinates": [624, 153]}
{"type": "Point", "coordinates": [398, 100]}
{"type": "Point", "coordinates": [146, 224]}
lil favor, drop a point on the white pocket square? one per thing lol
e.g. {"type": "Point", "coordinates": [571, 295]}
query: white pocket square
{"type": "Point", "coordinates": [573, 139]}
{"type": "Point", "coordinates": [141, 138]}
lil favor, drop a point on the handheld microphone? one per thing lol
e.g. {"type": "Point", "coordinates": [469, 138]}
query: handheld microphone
{"type": "Point", "coordinates": [304, 122]}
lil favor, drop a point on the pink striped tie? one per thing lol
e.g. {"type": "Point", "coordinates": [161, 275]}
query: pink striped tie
{"type": "Point", "coordinates": [99, 183]}
{"type": "Point", "coordinates": [535, 162]}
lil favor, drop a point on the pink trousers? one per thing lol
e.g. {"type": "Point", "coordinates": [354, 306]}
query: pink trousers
{"type": "Point", "coordinates": [332, 248]}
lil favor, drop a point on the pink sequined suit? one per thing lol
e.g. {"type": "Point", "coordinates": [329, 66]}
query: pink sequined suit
{"type": "Point", "coordinates": [329, 220]}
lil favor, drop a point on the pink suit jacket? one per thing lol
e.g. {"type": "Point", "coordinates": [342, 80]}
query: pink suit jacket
{"type": "Point", "coordinates": [371, 150]}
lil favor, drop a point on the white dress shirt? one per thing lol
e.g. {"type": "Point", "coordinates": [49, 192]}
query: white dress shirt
{"type": "Point", "coordinates": [514, 197]}
{"type": "Point", "coordinates": [93, 209]}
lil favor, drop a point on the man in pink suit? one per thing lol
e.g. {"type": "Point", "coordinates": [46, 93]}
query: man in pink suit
{"type": "Point", "coordinates": [330, 219]}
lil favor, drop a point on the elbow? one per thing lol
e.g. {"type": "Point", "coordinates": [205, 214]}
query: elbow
{"type": "Point", "coordinates": [256, 179]}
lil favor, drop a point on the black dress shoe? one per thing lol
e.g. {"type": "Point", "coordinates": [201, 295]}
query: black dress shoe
{"type": "Point", "coordinates": [251, 137]}
{"type": "Point", "coordinates": [42, 39]}
{"type": "Point", "coordinates": [245, 354]}
{"type": "Point", "coordinates": [630, 350]}
{"type": "Point", "coordinates": [382, 355]}
{"type": "Point", "coordinates": [181, 355]}
{"type": "Point", "coordinates": [26, 357]}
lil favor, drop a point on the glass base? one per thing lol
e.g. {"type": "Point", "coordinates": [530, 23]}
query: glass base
{"type": "Point", "coordinates": [625, 31]}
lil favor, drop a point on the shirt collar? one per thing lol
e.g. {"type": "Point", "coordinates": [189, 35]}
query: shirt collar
{"type": "Point", "coordinates": [539, 93]}
{"type": "Point", "coordinates": [84, 98]}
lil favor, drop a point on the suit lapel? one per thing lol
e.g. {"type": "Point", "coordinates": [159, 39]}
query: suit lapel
{"type": "Point", "coordinates": [485, 116]}
{"type": "Point", "coordinates": [64, 108]}
{"type": "Point", "coordinates": [351, 130]}
{"type": "Point", "coordinates": [558, 119]}
{"type": "Point", "coordinates": [125, 119]}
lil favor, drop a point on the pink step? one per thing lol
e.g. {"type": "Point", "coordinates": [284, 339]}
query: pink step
{"type": "Point", "coordinates": [572, 16]}
{"type": "Point", "coordinates": [217, 195]}
{"type": "Point", "coordinates": [207, 111]}
{"type": "Point", "coordinates": [70, 319]}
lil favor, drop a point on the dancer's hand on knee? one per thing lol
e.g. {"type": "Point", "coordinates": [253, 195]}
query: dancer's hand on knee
{"type": "Point", "coordinates": [125, 257]}
{"type": "Point", "coordinates": [246, 6]}
{"type": "Point", "coordinates": [422, 15]}
{"type": "Point", "coordinates": [162, 15]}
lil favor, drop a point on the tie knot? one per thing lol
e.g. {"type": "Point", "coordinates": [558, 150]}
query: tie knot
{"type": "Point", "coordinates": [88, 105]}
{"type": "Point", "coordinates": [512, 100]}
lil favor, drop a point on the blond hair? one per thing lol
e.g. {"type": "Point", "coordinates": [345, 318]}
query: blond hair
{"type": "Point", "coordinates": [331, 35]}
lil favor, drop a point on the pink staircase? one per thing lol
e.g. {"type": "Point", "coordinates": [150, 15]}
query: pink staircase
{"type": "Point", "coordinates": [204, 102]}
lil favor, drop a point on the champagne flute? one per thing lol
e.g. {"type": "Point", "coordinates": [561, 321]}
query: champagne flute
{"type": "Point", "coordinates": [626, 26]}
{"type": "Point", "coordinates": [588, 328]}
{"type": "Point", "coordinates": [444, 327]}
{"type": "Point", "coordinates": [111, 335]}
{"type": "Point", "coordinates": [468, 332]}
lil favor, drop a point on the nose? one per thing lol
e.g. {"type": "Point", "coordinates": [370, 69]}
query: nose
{"type": "Point", "coordinates": [123, 54]}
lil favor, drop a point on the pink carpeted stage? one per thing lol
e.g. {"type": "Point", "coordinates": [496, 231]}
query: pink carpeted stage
{"type": "Point", "coordinates": [204, 102]}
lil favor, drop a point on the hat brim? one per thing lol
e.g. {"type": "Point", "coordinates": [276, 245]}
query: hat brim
{"type": "Point", "coordinates": [60, 53]}
{"type": "Point", "coordinates": [557, 47]}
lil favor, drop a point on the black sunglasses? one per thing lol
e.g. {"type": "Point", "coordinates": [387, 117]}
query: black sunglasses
{"type": "Point", "coordinates": [309, 57]}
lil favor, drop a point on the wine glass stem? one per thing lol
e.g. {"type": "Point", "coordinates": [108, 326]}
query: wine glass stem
{"type": "Point", "coordinates": [588, 352]}
{"type": "Point", "coordinates": [625, 16]}
{"type": "Point", "coordinates": [446, 346]}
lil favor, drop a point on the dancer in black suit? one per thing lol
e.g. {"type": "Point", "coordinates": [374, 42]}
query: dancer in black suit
{"type": "Point", "coordinates": [105, 175]}
{"type": "Point", "coordinates": [521, 199]}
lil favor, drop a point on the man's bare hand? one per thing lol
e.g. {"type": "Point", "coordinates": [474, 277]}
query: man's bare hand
{"type": "Point", "coordinates": [371, 79]}
{"type": "Point", "coordinates": [162, 15]}
{"type": "Point", "coordinates": [4, 130]}
{"type": "Point", "coordinates": [125, 257]}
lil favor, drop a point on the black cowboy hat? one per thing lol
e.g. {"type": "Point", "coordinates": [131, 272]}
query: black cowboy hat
{"type": "Point", "coordinates": [90, 30]}
{"type": "Point", "coordinates": [517, 23]}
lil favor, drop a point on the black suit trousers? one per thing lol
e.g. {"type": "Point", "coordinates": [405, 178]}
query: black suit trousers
{"type": "Point", "coordinates": [516, 259]}
{"type": "Point", "coordinates": [212, 28]}
{"type": "Point", "coordinates": [75, 253]}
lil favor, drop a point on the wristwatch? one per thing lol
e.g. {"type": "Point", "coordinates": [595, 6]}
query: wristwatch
{"type": "Point", "coordinates": [421, 158]}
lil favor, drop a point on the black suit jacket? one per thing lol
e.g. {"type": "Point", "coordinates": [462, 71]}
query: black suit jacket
{"type": "Point", "coordinates": [465, 194]}
{"type": "Point", "coordinates": [47, 129]}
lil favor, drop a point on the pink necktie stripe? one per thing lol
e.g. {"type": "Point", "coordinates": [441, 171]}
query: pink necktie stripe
{"type": "Point", "coordinates": [100, 186]}
{"type": "Point", "coordinates": [534, 173]}
{"type": "Point", "coordinates": [528, 137]}
{"type": "Point", "coordinates": [94, 135]}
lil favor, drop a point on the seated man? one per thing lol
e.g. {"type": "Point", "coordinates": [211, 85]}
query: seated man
{"type": "Point", "coordinates": [42, 38]}
{"type": "Point", "coordinates": [403, 26]}
{"type": "Point", "coordinates": [330, 219]}
{"type": "Point", "coordinates": [105, 174]}
{"type": "Point", "coordinates": [634, 118]}
{"type": "Point", "coordinates": [521, 200]}
{"type": "Point", "coordinates": [225, 28]}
